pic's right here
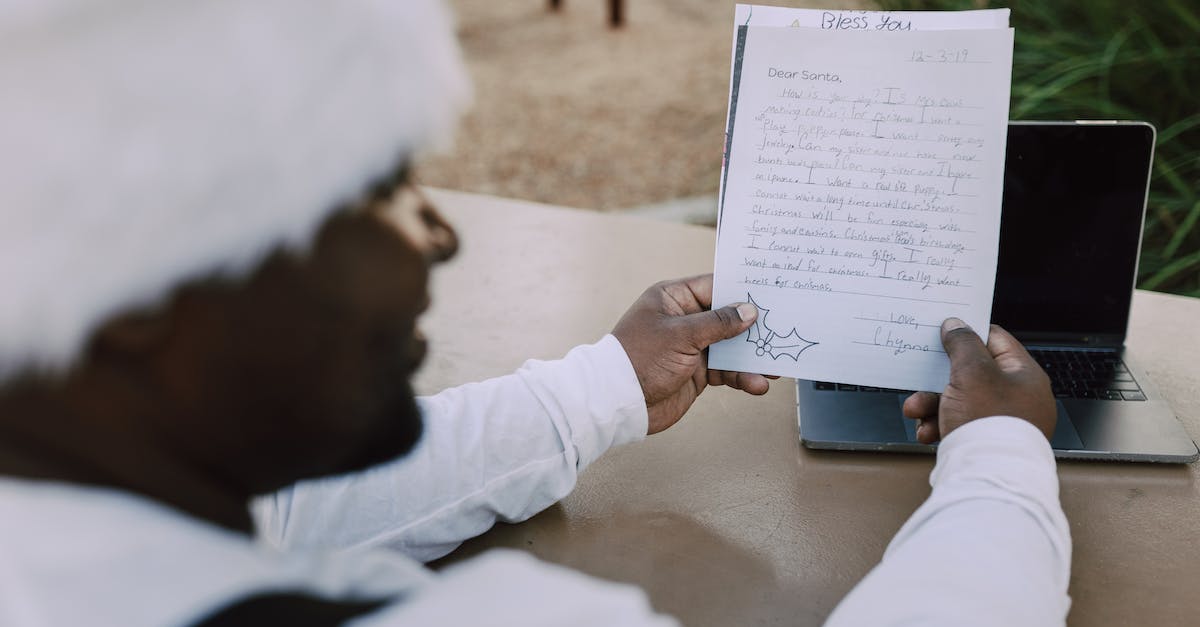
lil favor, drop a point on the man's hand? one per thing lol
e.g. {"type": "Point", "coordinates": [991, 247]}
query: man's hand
{"type": "Point", "coordinates": [999, 379]}
{"type": "Point", "coordinates": [666, 333]}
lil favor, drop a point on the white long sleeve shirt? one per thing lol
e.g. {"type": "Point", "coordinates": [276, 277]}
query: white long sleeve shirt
{"type": "Point", "coordinates": [990, 546]}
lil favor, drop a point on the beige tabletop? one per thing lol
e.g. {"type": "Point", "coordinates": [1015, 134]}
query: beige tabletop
{"type": "Point", "coordinates": [725, 519]}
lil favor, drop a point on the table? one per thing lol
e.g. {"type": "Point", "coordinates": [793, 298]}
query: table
{"type": "Point", "coordinates": [725, 519]}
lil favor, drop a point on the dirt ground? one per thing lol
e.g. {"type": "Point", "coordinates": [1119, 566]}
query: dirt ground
{"type": "Point", "coordinates": [571, 112]}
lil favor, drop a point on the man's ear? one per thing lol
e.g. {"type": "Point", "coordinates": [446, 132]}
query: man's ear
{"type": "Point", "coordinates": [132, 334]}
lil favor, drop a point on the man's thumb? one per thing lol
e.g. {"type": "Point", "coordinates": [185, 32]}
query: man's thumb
{"type": "Point", "coordinates": [963, 345]}
{"type": "Point", "coordinates": [708, 327]}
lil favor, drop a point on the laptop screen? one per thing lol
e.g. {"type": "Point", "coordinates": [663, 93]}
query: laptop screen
{"type": "Point", "coordinates": [1074, 199]}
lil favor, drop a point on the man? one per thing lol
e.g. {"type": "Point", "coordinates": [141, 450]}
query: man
{"type": "Point", "coordinates": [213, 264]}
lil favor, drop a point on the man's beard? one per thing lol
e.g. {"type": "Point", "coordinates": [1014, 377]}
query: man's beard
{"type": "Point", "coordinates": [398, 430]}
{"type": "Point", "coordinates": [392, 417]}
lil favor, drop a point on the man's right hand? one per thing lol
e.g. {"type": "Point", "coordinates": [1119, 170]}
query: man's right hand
{"type": "Point", "coordinates": [999, 379]}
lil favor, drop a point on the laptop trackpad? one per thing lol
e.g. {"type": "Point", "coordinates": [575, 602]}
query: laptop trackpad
{"type": "Point", "coordinates": [1065, 435]}
{"type": "Point", "coordinates": [1065, 438]}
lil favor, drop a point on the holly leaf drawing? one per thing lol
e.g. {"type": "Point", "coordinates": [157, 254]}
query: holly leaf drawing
{"type": "Point", "coordinates": [768, 342]}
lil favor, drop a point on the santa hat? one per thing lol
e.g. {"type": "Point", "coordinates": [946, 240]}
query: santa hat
{"type": "Point", "coordinates": [145, 143]}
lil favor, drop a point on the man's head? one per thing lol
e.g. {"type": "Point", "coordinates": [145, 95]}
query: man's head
{"type": "Point", "coordinates": [195, 244]}
{"type": "Point", "coordinates": [299, 369]}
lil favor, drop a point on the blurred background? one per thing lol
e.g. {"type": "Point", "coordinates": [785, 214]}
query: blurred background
{"type": "Point", "coordinates": [571, 111]}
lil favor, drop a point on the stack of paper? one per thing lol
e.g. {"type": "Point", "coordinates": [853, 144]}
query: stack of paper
{"type": "Point", "coordinates": [860, 198]}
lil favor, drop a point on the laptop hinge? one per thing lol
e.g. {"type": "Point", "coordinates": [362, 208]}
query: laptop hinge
{"type": "Point", "coordinates": [1110, 341]}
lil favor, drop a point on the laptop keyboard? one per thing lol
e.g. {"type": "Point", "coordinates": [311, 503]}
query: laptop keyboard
{"type": "Point", "coordinates": [1088, 374]}
{"type": "Point", "coordinates": [842, 387]}
{"type": "Point", "coordinates": [1073, 374]}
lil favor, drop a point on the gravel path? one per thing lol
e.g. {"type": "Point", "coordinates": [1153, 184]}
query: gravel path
{"type": "Point", "coordinates": [571, 112]}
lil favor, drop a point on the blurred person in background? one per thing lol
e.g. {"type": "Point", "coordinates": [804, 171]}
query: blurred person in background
{"type": "Point", "coordinates": [213, 262]}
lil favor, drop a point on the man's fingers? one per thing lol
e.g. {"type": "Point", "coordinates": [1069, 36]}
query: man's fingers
{"type": "Point", "coordinates": [921, 405]}
{"type": "Point", "coordinates": [692, 293]}
{"type": "Point", "coordinates": [1008, 351]}
{"type": "Point", "coordinates": [755, 384]}
{"type": "Point", "coordinates": [707, 327]}
{"type": "Point", "coordinates": [927, 431]}
{"type": "Point", "coordinates": [963, 346]}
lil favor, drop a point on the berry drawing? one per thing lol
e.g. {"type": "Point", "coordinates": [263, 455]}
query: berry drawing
{"type": "Point", "coordinates": [767, 342]}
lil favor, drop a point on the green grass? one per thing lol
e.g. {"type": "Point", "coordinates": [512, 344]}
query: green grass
{"type": "Point", "coordinates": [1110, 59]}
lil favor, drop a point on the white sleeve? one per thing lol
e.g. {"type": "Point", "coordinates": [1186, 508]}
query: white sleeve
{"type": "Point", "coordinates": [511, 588]}
{"type": "Point", "coordinates": [990, 546]}
{"type": "Point", "coordinates": [503, 449]}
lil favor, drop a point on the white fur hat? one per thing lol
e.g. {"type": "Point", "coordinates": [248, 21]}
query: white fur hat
{"type": "Point", "coordinates": [147, 142]}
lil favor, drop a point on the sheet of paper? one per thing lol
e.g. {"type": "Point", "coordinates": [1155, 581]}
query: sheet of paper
{"type": "Point", "coordinates": [861, 203]}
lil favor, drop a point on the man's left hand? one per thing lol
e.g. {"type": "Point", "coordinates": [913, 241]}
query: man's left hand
{"type": "Point", "coordinates": [666, 334]}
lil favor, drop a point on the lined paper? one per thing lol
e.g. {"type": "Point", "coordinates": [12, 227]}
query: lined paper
{"type": "Point", "coordinates": [861, 199]}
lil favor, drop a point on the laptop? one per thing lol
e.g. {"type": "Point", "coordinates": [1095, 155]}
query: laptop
{"type": "Point", "coordinates": [1070, 234]}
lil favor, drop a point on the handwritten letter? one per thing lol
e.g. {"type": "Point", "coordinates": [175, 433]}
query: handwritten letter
{"type": "Point", "coordinates": [861, 201]}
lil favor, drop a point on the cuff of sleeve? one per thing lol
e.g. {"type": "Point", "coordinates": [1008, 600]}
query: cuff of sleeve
{"type": "Point", "coordinates": [1004, 436]}
{"type": "Point", "coordinates": [626, 391]}
{"type": "Point", "coordinates": [596, 392]}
